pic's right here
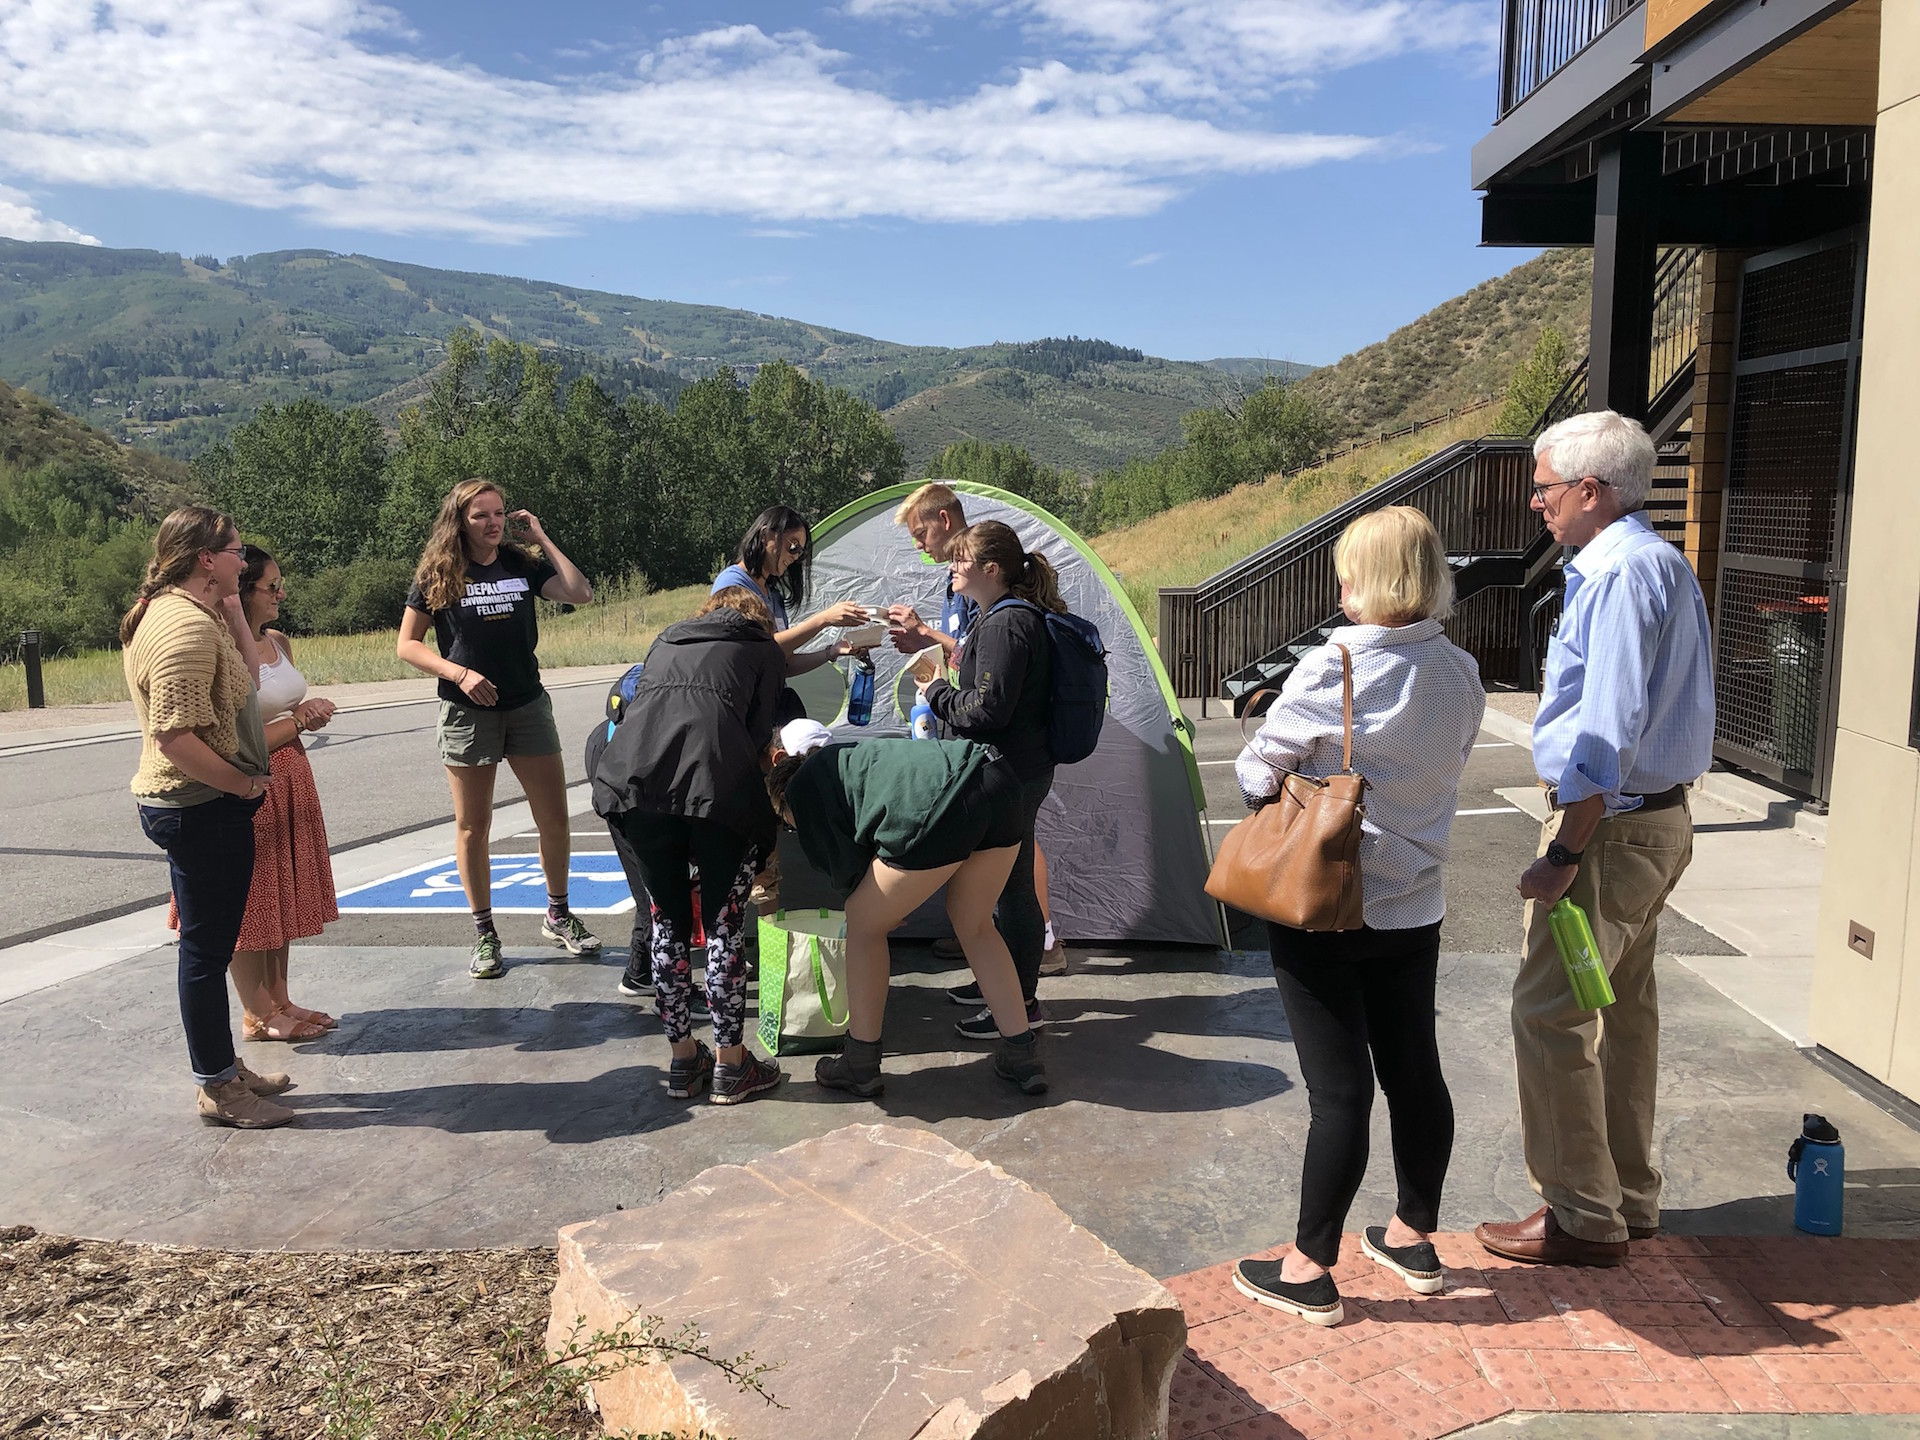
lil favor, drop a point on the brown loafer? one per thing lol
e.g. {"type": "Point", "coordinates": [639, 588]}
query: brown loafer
{"type": "Point", "coordinates": [1539, 1240]}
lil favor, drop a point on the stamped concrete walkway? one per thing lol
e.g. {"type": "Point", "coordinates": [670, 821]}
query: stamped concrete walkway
{"type": "Point", "coordinates": [1734, 1327]}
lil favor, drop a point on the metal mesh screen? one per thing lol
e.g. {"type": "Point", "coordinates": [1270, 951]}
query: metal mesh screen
{"type": "Point", "coordinates": [1785, 461]}
{"type": "Point", "coordinates": [1798, 304]}
{"type": "Point", "coordinates": [1772, 658]}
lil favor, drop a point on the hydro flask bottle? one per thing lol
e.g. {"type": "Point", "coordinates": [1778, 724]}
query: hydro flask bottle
{"type": "Point", "coordinates": [860, 695]}
{"type": "Point", "coordinates": [1816, 1163]}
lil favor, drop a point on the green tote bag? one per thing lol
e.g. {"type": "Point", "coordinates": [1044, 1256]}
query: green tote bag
{"type": "Point", "coordinates": [803, 981]}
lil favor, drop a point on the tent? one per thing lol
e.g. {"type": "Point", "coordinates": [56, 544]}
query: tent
{"type": "Point", "coordinates": [1123, 831]}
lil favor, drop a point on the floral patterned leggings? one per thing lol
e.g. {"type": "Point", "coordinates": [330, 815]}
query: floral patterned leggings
{"type": "Point", "coordinates": [666, 845]}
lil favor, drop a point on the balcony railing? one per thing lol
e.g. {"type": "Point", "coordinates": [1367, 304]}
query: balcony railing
{"type": "Point", "coordinates": [1539, 37]}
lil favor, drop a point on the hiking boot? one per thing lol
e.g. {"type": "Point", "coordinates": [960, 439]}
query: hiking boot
{"type": "Point", "coordinates": [485, 962]}
{"type": "Point", "coordinates": [1053, 960]}
{"type": "Point", "coordinates": [275, 1083]}
{"type": "Point", "coordinates": [981, 1026]}
{"type": "Point", "coordinates": [856, 1069]}
{"type": "Point", "coordinates": [1019, 1065]}
{"type": "Point", "coordinates": [1418, 1264]}
{"type": "Point", "coordinates": [233, 1103]}
{"type": "Point", "coordinates": [1315, 1301]}
{"type": "Point", "coordinates": [568, 933]}
{"type": "Point", "coordinates": [948, 948]}
{"type": "Point", "coordinates": [687, 1078]}
{"type": "Point", "coordinates": [968, 995]}
{"type": "Point", "coordinates": [733, 1084]}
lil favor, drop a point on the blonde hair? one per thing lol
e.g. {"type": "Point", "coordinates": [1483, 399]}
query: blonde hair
{"type": "Point", "coordinates": [1394, 567]}
{"type": "Point", "coordinates": [1027, 573]}
{"type": "Point", "coordinates": [741, 599]}
{"type": "Point", "coordinates": [928, 501]}
{"type": "Point", "coordinates": [177, 548]}
{"type": "Point", "coordinates": [442, 571]}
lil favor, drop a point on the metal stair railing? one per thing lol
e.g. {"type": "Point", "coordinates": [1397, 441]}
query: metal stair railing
{"type": "Point", "coordinates": [1476, 492]}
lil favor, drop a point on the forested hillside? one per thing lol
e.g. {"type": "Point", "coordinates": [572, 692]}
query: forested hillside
{"type": "Point", "coordinates": [171, 352]}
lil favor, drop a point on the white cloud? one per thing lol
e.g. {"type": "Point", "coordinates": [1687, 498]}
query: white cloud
{"type": "Point", "coordinates": [1147, 259]}
{"type": "Point", "coordinates": [776, 234]}
{"type": "Point", "coordinates": [19, 220]}
{"type": "Point", "coordinates": [320, 107]}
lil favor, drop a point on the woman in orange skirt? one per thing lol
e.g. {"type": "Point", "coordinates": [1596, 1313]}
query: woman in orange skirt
{"type": "Point", "coordinates": [292, 896]}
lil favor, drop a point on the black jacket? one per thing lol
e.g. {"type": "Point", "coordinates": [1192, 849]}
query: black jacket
{"type": "Point", "coordinates": [690, 742]}
{"type": "Point", "coordinates": [1005, 695]}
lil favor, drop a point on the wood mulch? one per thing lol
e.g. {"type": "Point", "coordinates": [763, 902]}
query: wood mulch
{"type": "Point", "coordinates": [113, 1340]}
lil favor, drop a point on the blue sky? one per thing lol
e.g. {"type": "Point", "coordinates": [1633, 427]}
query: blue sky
{"type": "Point", "coordinates": [1196, 177]}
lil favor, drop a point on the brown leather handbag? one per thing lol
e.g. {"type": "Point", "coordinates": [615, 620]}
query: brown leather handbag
{"type": "Point", "coordinates": [1296, 860]}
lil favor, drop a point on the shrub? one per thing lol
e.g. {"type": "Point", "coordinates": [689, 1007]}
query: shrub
{"type": "Point", "coordinates": [350, 599]}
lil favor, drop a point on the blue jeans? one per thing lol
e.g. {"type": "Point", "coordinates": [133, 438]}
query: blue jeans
{"type": "Point", "coordinates": [1017, 915]}
{"type": "Point", "coordinates": [210, 854]}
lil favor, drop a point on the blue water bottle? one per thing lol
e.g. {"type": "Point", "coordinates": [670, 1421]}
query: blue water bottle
{"type": "Point", "coordinates": [1816, 1164]}
{"type": "Point", "coordinates": [860, 696]}
{"type": "Point", "coordinates": [921, 720]}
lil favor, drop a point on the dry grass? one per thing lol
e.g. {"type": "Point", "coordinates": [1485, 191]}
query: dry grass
{"type": "Point", "coordinates": [1185, 545]}
{"type": "Point", "coordinates": [619, 625]}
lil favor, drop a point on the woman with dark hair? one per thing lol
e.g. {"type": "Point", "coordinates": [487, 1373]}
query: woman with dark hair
{"type": "Point", "coordinates": [773, 561]}
{"type": "Point", "coordinates": [188, 655]}
{"type": "Point", "coordinates": [682, 771]}
{"type": "Point", "coordinates": [475, 589]}
{"type": "Point", "coordinates": [1005, 700]}
{"type": "Point", "coordinates": [292, 896]}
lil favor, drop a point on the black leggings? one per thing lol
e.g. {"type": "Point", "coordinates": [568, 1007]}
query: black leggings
{"type": "Point", "coordinates": [1360, 1002]}
{"type": "Point", "coordinates": [665, 845]}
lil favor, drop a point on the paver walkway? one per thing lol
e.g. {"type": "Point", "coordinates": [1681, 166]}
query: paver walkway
{"type": "Point", "coordinates": [1780, 1324]}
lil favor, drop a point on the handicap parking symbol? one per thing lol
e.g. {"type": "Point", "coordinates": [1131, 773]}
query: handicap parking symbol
{"type": "Point", "coordinates": [596, 886]}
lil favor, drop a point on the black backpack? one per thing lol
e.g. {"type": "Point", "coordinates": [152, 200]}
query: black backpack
{"type": "Point", "coordinates": [1079, 682]}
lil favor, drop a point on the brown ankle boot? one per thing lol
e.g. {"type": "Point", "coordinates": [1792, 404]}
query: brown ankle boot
{"type": "Point", "coordinates": [234, 1103]}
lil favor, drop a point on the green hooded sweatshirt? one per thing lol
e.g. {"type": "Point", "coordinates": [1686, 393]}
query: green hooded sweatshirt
{"type": "Point", "coordinates": [882, 798]}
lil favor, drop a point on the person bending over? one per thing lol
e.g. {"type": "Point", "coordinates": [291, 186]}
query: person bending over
{"type": "Point", "coordinates": [682, 772]}
{"type": "Point", "coordinates": [893, 821]}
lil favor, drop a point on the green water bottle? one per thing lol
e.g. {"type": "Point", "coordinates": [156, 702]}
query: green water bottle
{"type": "Point", "coordinates": [1573, 937]}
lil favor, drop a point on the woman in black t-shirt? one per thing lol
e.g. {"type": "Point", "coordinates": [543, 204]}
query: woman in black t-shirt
{"type": "Point", "coordinates": [475, 589]}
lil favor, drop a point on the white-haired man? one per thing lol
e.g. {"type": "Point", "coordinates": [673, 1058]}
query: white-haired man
{"type": "Point", "coordinates": [1625, 725]}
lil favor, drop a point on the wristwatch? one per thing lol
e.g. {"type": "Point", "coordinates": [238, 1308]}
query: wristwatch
{"type": "Point", "coordinates": [1560, 857]}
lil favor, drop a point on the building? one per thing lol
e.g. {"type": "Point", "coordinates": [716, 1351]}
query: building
{"type": "Point", "coordinates": [1782, 139]}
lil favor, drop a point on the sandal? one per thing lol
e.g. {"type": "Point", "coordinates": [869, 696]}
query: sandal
{"type": "Point", "coordinates": [282, 1025]}
{"type": "Point", "coordinates": [314, 1017]}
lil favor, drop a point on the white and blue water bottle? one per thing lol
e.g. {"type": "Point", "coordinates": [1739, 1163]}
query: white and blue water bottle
{"type": "Point", "coordinates": [1816, 1163]}
{"type": "Point", "coordinates": [921, 720]}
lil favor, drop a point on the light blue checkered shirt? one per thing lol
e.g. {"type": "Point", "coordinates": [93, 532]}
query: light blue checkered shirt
{"type": "Point", "coordinates": [1626, 707]}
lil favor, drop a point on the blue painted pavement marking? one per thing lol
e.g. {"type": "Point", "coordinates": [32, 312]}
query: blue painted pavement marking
{"type": "Point", "coordinates": [595, 886]}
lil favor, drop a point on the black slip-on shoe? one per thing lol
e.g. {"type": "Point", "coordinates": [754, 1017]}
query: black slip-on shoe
{"type": "Point", "coordinates": [1418, 1265]}
{"type": "Point", "coordinates": [982, 1026]}
{"type": "Point", "coordinates": [1316, 1301]}
{"type": "Point", "coordinates": [968, 995]}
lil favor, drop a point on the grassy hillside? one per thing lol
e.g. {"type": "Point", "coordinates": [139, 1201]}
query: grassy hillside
{"type": "Point", "coordinates": [34, 432]}
{"type": "Point", "coordinates": [169, 352]}
{"type": "Point", "coordinates": [1185, 545]}
{"type": "Point", "coordinates": [1462, 349]}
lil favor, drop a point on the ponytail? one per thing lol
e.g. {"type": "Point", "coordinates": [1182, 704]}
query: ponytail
{"type": "Point", "coordinates": [177, 547]}
{"type": "Point", "coordinates": [1028, 573]}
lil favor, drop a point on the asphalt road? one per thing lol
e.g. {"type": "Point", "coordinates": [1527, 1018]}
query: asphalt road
{"type": "Point", "coordinates": [70, 842]}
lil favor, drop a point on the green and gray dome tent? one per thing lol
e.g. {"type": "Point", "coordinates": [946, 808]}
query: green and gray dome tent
{"type": "Point", "coordinates": [1123, 830]}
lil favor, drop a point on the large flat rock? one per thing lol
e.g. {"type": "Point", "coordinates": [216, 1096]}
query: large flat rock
{"type": "Point", "coordinates": [905, 1288]}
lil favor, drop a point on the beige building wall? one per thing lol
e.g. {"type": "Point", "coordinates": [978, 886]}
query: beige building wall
{"type": "Point", "coordinates": [1867, 1009]}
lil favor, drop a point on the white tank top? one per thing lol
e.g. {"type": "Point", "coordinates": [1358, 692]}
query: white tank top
{"type": "Point", "coordinates": [281, 686]}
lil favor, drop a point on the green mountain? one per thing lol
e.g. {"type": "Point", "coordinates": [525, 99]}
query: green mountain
{"type": "Point", "coordinates": [1257, 367]}
{"type": "Point", "coordinates": [34, 433]}
{"type": "Point", "coordinates": [169, 352]}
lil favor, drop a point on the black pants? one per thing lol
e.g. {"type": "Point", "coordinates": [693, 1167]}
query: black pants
{"type": "Point", "coordinates": [640, 947]}
{"type": "Point", "coordinates": [1360, 1003]}
{"type": "Point", "coordinates": [1017, 915]}
{"type": "Point", "coordinates": [726, 860]}
{"type": "Point", "coordinates": [210, 856]}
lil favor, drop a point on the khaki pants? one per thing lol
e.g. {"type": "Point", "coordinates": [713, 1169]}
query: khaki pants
{"type": "Point", "coordinates": [1587, 1078]}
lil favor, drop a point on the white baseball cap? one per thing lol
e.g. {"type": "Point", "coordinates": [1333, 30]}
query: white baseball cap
{"type": "Point", "coordinates": [803, 737]}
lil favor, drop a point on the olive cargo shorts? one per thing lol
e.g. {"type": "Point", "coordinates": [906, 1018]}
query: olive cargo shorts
{"type": "Point", "coordinates": [470, 735]}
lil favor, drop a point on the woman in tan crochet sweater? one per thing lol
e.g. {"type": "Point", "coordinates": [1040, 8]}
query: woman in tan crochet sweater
{"type": "Point", "coordinates": [191, 669]}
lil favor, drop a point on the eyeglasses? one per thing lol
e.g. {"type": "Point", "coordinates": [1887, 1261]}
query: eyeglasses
{"type": "Point", "coordinates": [796, 548]}
{"type": "Point", "coordinates": [1540, 491]}
{"type": "Point", "coordinates": [240, 550]}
